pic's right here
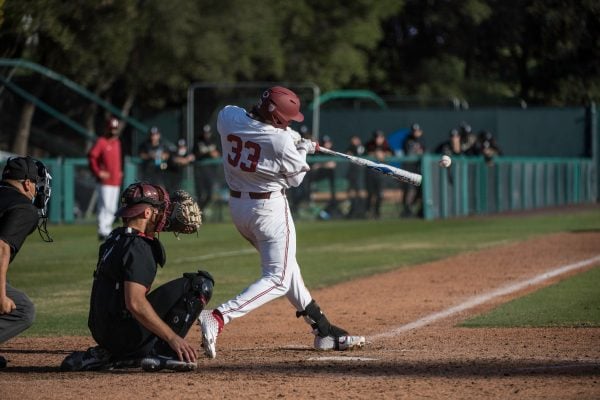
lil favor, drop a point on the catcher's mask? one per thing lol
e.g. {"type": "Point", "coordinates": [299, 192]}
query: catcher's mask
{"type": "Point", "coordinates": [136, 198]}
{"type": "Point", "coordinates": [278, 106]}
{"type": "Point", "coordinates": [20, 168]}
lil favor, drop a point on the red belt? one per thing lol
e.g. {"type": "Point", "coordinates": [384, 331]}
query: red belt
{"type": "Point", "coordinates": [253, 195]}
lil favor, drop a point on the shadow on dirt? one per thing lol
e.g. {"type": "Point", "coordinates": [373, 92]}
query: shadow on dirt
{"type": "Point", "coordinates": [416, 369]}
{"type": "Point", "coordinates": [370, 369]}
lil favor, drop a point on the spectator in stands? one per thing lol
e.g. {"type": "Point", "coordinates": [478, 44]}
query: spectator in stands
{"type": "Point", "coordinates": [451, 147]}
{"type": "Point", "coordinates": [178, 161]}
{"type": "Point", "coordinates": [106, 164]}
{"type": "Point", "coordinates": [413, 146]}
{"type": "Point", "coordinates": [326, 171]}
{"type": "Point", "coordinates": [206, 149]}
{"type": "Point", "coordinates": [377, 148]}
{"type": "Point", "coordinates": [487, 147]}
{"type": "Point", "coordinates": [353, 174]}
{"type": "Point", "coordinates": [155, 154]}
{"type": "Point", "coordinates": [468, 140]}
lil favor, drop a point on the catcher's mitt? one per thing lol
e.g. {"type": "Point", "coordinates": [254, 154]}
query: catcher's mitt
{"type": "Point", "coordinates": [185, 215]}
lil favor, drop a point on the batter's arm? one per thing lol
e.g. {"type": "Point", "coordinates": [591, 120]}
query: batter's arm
{"type": "Point", "coordinates": [293, 163]}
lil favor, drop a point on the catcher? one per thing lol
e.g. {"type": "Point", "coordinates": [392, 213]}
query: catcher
{"type": "Point", "coordinates": [131, 326]}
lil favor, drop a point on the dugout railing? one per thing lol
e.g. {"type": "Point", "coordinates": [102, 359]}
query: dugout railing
{"type": "Point", "coordinates": [471, 186]}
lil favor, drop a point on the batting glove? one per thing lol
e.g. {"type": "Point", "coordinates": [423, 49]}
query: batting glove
{"type": "Point", "coordinates": [308, 145]}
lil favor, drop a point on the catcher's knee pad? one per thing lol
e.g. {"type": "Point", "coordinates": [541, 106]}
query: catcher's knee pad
{"type": "Point", "coordinates": [196, 293]}
{"type": "Point", "coordinates": [319, 322]}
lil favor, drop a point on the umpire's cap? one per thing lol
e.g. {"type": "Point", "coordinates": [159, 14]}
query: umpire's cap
{"type": "Point", "coordinates": [19, 168]}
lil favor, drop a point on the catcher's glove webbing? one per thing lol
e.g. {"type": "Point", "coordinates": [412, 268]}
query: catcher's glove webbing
{"type": "Point", "coordinates": [185, 216]}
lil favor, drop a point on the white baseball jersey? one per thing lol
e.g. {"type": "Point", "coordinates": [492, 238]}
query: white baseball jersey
{"type": "Point", "coordinates": [258, 157]}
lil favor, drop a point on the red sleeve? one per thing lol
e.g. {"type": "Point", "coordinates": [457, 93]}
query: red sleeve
{"type": "Point", "coordinates": [94, 156]}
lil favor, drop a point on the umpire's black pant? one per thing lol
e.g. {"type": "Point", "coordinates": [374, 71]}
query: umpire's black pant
{"type": "Point", "coordinates": [20, 318]}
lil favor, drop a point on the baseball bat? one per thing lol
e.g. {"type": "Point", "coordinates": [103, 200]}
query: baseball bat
{"type": "Point", "coordinates": [396, 173]}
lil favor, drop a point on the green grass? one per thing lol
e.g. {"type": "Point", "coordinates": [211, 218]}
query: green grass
{"type": "Point", "coordinates": [57, 276]}
{"type": "Point", "coordinates": [574, 302]}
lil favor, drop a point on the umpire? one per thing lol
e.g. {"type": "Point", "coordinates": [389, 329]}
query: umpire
{"type": "Point", "coordinates": [24, 192]}
{"type": "Point", "coordinates": [132, 327]}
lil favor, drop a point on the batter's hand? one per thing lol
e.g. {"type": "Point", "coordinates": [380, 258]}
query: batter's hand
{"type": "Point", "coordinates": [183, 349]}
{"type": "Point", "coordinates": [308, 145]}
{"type": "Point", "coordinates": [6, 305]}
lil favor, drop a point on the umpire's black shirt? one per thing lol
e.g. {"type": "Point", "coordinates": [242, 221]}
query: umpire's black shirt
{"type": "Point", "coordinates": [18, 217]}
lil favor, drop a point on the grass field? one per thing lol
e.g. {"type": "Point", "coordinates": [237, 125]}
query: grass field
{"type": "Point", "coordinates": [57, 276]}
{"type": "Point", "coordinates": [574, 302]}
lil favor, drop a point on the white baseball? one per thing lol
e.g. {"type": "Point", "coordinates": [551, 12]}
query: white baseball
{"type": "Point", "coordinates": [445, 161]}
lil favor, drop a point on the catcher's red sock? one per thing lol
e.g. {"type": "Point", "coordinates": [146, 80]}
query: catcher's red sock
{"type": "Point", "coordinates": [219, 317]}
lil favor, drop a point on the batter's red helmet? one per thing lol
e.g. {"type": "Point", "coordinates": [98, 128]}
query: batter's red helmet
{"type": "Point", "coordinates": [278, 106]}
{"type": "Point", "coordinates": [136, 198]}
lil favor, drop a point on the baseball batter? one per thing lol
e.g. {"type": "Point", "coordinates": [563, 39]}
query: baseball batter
{"type": "Point", "coordinates": [262, 157]}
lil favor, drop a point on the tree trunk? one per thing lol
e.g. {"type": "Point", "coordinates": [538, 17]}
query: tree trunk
{"type": "Point", "coordinates": [132, 142]}
{"type": "Point", "coordinates": [128, 105]}
{"type": "Point", "coordinates": [89, 123]}
{"type": "Point", "coordinates": [22, 138]}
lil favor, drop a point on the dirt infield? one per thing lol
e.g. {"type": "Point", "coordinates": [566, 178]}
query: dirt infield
{"type": "Point", "coordinates": [268, 353]}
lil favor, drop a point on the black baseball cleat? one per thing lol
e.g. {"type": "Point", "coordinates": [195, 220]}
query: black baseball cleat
{"type": "Point", "coordinates": [157, 362]}
{"type": "Point", "coordinates": [2, 362]}
{"type": "Point", "coordinates": [93, 359]}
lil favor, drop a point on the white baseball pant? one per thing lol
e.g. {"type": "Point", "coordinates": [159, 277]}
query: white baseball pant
{"type": "Point", "coordinates": [268, 225]}
{"type": "Point", "coordinates": [108, 198]}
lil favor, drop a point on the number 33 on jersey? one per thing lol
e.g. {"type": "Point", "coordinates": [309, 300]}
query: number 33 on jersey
{"type": "Point", "coordinates": [258, 157]}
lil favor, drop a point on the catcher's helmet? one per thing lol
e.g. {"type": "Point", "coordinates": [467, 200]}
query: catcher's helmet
{"type": "Point", "coordinates": [138, 196]}
{"type": "Point", "coordinates": [278, 106]}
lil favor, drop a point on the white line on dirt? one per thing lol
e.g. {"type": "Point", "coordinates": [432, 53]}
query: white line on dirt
{"type": "Point", "coordinates": [342, 358]}
{"type": "Point", "coordinates": [477, 300]}
{"type": "Point", "coordinates": [213, 255]}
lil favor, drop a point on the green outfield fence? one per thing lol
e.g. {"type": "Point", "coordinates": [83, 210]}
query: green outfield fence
{"type": "Point", "coordinates": [471, 186]}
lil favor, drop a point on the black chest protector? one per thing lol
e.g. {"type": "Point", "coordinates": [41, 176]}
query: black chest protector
{"type": "Point", "coordinates": [126, 255]}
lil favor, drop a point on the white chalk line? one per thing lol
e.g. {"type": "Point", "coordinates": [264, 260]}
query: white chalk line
{"type": "Point", "coordinates": [477, 300]}
{"type": "Point", "coordinates": [213, 256]}
{"type": "Point", "coordinates": [342, 358]}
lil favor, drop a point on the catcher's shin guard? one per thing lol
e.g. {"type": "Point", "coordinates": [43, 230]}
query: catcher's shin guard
{"type": "Point", "coordinates": [193, 292]}
{"type": "Point", "coordinates": [186, 311]}
{"type": "Point", "coordinates": [180, 301]}
{"type": "Point", "coordinates": [319, 322]}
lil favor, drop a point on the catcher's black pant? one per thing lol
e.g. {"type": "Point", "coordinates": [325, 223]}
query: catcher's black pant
{"type": "Point", "coordinates": [20, 318]}
{"type": "Point", "coordinates": [178, 303]}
